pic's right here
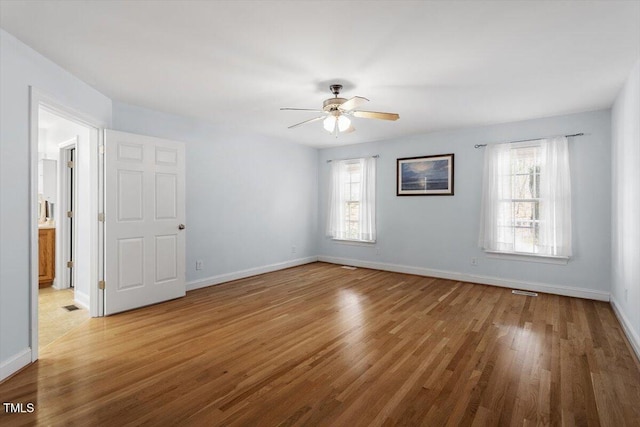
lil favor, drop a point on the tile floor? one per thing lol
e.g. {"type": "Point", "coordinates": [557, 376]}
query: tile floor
{"type": "Point", "coordinates": [54, 320]}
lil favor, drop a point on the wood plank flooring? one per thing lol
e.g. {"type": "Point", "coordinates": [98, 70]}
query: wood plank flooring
{"type": "Point", "coordinates": [53, 319]}
{"type": "Point", "coordinates": [322, 345]}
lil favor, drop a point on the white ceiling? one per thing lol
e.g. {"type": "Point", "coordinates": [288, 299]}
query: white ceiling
{"type": "Point", "coordinates": [440, 64]}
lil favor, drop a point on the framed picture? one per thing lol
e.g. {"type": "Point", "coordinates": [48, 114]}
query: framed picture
{"type": "Point", "coordinates": [425, 176]}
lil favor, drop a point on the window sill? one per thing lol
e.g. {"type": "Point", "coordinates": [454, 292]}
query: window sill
{"type": "Point", "coordinates": [519, 256]}
{"type": "Point", "coordinates": [355, 242]}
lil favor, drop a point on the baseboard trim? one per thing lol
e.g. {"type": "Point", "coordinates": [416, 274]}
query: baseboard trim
{"type": "Point", "coordinates": [484, 280]}
{"type": "Point", "coordinates": [628, 330]}
{"type": "Point", "coordinates": [14, 363]}
{"type": "Point", "coordinates": [81, 299]}
{"type": "Point", "coordinates": [228, 277]}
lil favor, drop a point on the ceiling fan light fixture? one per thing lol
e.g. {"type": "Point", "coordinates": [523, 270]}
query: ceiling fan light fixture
{"type": "Point", "coordinates": [343, 123]}
{"type": "Point", "coordinates": [329, 123]}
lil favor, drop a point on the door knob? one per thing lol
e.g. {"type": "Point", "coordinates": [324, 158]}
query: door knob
{"type": "Point", "coordinates": [181, 227]}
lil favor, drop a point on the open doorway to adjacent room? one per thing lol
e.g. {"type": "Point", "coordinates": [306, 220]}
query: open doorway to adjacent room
{"type": "Point", "coordinates": [63, 215]}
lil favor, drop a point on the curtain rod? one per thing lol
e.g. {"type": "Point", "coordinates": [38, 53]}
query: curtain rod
{"type": "Point", "coordinates": [375, 156]}
{"type": "Point", "coordinates": [532, 139]}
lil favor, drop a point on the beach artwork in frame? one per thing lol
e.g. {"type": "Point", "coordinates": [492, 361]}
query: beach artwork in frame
{"type": "Point", "coordinates": [425, 176]}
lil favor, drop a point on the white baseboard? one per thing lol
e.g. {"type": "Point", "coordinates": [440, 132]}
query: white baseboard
{"type": "Point", "coordinates": [81, 299]}
{"type": "Point", "coordinates": [569, 291]}
{"type": "Point", "coordinates": [14, 363]}
{"type": "Point", "coordinates": [55, 285]}
{"type": "Point", "coordinates": [228, 277]}
{"type": "Point", "coordinates": [631, 334]}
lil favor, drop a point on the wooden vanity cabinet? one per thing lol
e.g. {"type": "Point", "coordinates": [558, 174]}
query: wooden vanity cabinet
{"type": "Point", "coordinates": [46, 256]}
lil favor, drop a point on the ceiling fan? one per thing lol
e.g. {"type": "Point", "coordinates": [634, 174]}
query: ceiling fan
{"type": "Point", "coordinates": [336, 111]}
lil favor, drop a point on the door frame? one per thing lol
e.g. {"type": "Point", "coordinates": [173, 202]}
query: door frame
{"type": "Point", "coordinates": [63, 245]}
{"type": "Point", "coordinates": [39, 99]}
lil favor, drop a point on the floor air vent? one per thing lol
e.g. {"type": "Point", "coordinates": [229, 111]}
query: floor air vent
{"type": "Point", "coordinates": [348, 267]}
{"type": "Point", "coordinates": [527, 293]}
{"type": "Point", "coordinates": [71, 307]}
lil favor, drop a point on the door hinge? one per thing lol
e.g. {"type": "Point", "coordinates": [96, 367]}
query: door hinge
{"type": "Point", "coordinates": [101, 284]}
{"type": "Point", "coordinates": [69, 214]}
{"type": "Point", "coordinates": [70, 164]}
{"type": "Point", "coordinates": [101, 149]}
{"type": "Point", "coordinates": [69, 264]}
{"type": "Point", "coordinates": [101, 217]}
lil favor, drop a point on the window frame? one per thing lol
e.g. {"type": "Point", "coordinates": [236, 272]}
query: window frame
{"type": "Point", "coordinates": [349, 202]}
{"type": "Point", "coordinates": [353, 167]}
{"type": "Point", "coordinates": [496, 220]}
{"type": "Point", "coordinates": [535, 201]}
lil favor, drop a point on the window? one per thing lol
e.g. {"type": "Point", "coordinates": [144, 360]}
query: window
{"type": "Point", "coordinates": [352, 200]}
{"type": "Point", "coordinates": [526, 198]}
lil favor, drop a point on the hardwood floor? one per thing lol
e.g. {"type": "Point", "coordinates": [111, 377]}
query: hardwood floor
{"type": "Point", "coordinates": [322, 345]}
{"type": "Point", "coordinates": [53, 319]}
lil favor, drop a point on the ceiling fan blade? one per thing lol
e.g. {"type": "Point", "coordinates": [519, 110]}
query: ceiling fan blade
{"type": "Point", "coordinates": [349, 129]}
{"type": "Point", "coordinates": [315, 119]}
{"type": "Point", "coordinates": [376, 115]}
{"type": "Point", "coordinates": [303, 109]}
{"type": "Point", "coordinates": [352, 103]}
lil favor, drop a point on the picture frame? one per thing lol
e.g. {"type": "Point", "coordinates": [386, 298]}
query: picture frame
{"type": "Point", "coordinates": [425, 175]}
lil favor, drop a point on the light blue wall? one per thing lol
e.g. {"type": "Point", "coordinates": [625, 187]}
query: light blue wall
{"type": "Point", "coordinates": [441, 232]}
{"type": "Point", "coordinates": [625, 288]}
{"type": "Point", "coordinates": [250, 198]}
{"type": "Point", "coordinates": [21, 67]}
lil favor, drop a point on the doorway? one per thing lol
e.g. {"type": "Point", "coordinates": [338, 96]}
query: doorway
{"type": "Point", "coordinates": [61, 304]}
{"type": "Point", "coordinates": [66, 194]}
{"type": "Point", "coordinates": [145, 178]}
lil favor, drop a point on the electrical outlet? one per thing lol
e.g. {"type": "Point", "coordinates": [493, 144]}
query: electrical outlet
{"type": "Point", "coordinates": [626, 295]}
{"type": "Point", "coordinates": [199, 264]}
{"type": "Point", "coordinates": [474, 261]}
{"type": "Point", "coordinates": [377, 251]}
{"type": "Point", "coordinates": [293, 249]}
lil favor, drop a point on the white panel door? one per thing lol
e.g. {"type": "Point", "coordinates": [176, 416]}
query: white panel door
{"type": "Point", "coordinates": [144, 217]}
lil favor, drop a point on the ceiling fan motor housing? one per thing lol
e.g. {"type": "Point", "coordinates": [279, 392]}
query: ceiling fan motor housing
{"type": "Point", "coordinates": [333, 103]}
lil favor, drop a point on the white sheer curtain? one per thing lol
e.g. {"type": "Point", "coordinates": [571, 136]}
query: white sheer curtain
{"type": "Point", "coordinates": [336, 225]}
{"type": "Point", "coordinates": [496, 212]}
{"type": "Point", "coordinates": [368, 200]}
{"type": "Point", "coordinates": [499, 222]}
{"type": "Point", "coordinates": [555, 195]}
{"type": "Point", "coordinates": [338, 197]}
